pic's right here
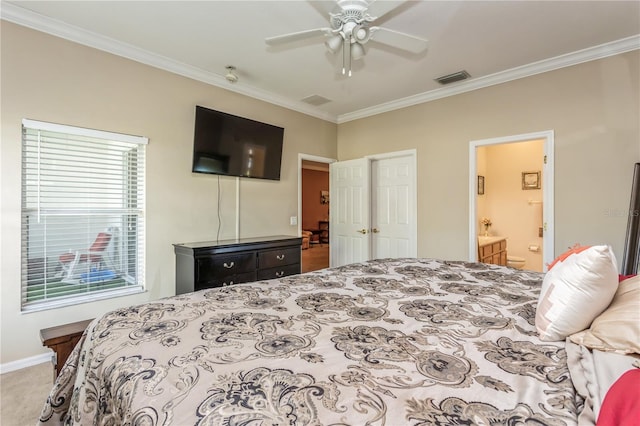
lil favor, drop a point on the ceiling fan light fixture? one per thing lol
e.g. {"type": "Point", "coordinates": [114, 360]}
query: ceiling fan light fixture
{"type": "Point", "coordinates": [361, 34]}
{"type": "Point", "coordinates": [334, 43]}
{"type": "Point", "coordinates": [357, 51]}
{"type": "Point", "coordinates": [351, 28]}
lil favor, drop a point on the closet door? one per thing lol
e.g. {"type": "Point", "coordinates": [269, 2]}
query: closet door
{"type": "Point", "coordinates": [393, 199]}
{"type": "Point", "coordinates": [349, 211]}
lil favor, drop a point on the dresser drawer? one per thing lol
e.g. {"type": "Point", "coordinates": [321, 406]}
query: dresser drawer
{"type": "Point", "coordinates": [278, 272]}
{"type": "Point", "coordinates": [210, 268]}
{"type": "Point", "coordinates": [278, 257]}
{"type": "Point", "coordinates": [235, 263]}
{"type": "Point", "coordinates": [227, 280]}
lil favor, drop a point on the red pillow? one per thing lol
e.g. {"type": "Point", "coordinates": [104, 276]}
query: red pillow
{"type": "Point", "coordinates": [572, 250]}
{"type": "Point", "coordinates": [625, 277]}
{"type": "Point", "coordinates": [621, 405]}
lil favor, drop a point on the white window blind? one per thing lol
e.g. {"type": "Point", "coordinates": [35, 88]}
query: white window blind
{"type": "Point", "coordinates": [83, 214]}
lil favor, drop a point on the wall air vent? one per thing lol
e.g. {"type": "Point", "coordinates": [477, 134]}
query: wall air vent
{"type": "Point", "coordinates": [316, 100]}
{"type": "Point", "coordinates": [452, 78]}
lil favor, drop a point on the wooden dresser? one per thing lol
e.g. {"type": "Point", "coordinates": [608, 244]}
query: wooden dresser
{"type": "Point", "coordinates": [492, 250]}
{"type": "Point", "coordinates": [210, 264]}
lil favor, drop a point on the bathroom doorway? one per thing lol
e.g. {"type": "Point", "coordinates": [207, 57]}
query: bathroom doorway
{"type": "Point", "coordinates": [511, 200]}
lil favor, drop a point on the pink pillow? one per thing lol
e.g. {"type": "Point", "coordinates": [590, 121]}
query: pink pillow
{"type": "Point", "coordinates": [577, 248]}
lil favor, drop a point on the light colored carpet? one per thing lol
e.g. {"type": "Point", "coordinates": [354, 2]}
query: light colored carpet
{"type": "Point", "coordinates": [23, 394]}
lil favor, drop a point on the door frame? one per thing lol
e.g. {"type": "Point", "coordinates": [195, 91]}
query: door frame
{"type": "Point", "coordinates": [317, 159]}
{"type": "Point", "coordinates": [548, 250]}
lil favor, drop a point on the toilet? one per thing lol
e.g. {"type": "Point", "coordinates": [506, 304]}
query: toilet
{"type": "Point", "coordinates": [515, 262]}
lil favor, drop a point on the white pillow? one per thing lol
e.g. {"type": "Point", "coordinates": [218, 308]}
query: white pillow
{"type": "Point", "coordinates": [575, 291]}
{"type": "Point", "coordinates": [617, 329]}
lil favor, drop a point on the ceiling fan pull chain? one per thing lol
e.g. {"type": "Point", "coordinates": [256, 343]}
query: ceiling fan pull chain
{"type": "Point", "coordinates": [344, 56]}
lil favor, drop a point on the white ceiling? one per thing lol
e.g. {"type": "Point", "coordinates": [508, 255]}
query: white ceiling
{"type": "Point", "coordinates": [494, 41]}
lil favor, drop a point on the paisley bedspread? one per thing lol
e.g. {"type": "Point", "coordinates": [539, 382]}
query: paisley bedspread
{"type": "Point", "coordinates": [386, 342]}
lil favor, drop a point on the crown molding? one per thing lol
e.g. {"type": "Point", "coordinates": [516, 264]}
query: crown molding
{"type": "Point", "coordinates": [590, 54]}
{"type": "Point", "coordinates": [27, 18]}
{"type": "Point", "coordinates": [20, 16]}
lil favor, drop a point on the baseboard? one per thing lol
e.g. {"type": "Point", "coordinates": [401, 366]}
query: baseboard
{"type": "Point", "coordinates": [25, 362]}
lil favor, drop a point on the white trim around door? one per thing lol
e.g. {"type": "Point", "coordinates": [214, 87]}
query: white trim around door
{"type": "Point", "coordinates": [307, 157]}
{"type": "Point", "coordinates": [547, 185]}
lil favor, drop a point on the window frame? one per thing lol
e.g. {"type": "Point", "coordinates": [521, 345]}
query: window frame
{"type": "Point", "coordinates": [137, 145]}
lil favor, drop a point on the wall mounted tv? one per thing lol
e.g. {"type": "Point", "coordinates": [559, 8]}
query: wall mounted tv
{"type": "Point", "coordinates": [226, 144]}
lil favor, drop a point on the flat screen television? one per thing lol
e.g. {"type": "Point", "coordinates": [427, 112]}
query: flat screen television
{"type": "Point", "coordinates": [225, 144]}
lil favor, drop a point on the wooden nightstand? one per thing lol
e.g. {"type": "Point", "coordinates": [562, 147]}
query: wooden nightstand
{"type": "Point", "coordinates": [62, 339]}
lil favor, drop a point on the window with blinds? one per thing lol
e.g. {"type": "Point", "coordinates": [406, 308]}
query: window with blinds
{"type": "Point", "coordinates": [83, 213]}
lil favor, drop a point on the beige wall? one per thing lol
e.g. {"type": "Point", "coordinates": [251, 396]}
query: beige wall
{"type": "Point", "coordinates": [593, 109]}
{"type": "Point", "coordinates": [507, 204]}
{"type": "Point", "coordinates": [49, 79]}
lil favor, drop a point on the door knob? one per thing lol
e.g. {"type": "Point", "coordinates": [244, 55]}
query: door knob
{"type": "Point", "coordinates": [362, 231]}
{"type": "Point", "coordinates": [375, 230]}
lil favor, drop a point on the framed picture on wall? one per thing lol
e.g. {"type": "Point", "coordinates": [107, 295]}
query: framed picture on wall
{"type": "Point", "coordinates": [530, 180]}
{"type": "Point", "coordinates": [324, 197]}
{"type": "Point", "coordinates": [480, 185]}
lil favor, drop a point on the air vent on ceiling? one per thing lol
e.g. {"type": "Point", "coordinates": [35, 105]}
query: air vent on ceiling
{"type": "Point", "coordinates": [452, 78]}
{"type": "Point", "coordinates": [316, 100]}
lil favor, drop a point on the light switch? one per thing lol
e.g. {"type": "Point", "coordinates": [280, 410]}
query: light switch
{"type": "Point", "coordinates": [293, 220]}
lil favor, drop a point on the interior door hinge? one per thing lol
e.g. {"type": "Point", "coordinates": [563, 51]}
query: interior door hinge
{"type": "Point", "coordinates": [545, 159]}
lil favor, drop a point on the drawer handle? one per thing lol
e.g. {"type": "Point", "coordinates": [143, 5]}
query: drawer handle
{"type": "Point", "coordinates": [280, 274]}
{"type": "Point", "coordinates": [228, 265]}
{"type": "Point", "coordinates": [280, 256]}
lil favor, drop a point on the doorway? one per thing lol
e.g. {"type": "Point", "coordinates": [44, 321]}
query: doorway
{"type": "Point", "coordinates": [511, 190]}
{"type": "Point", "coordinates": [313, 211]}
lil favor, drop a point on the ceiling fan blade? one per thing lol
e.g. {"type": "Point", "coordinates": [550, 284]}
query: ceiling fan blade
{"type": "Point", "coordinates": [398, 40]}
{"type": "Point", "coordinates": [323, 7]}
{"type": "Point", "coordinates": [378, 9]}
{"type": "Point", "coordinates": [301, 35]}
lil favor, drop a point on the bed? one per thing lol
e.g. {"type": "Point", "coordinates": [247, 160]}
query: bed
{"type": "Point", "coordinates": [385, 342]}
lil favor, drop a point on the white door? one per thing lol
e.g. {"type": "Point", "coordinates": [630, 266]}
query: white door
{"type": "Point", "coordinates": [393, 208]}
{"type": "Point", "coordinates": [349, 210]}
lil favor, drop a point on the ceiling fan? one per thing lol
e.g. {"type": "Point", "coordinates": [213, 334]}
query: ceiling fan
{"type": "Point", "coordinates": [351, 29]}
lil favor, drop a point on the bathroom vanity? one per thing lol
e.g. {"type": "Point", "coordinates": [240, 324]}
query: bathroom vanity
{"type": "Point", "coordinates": [492, 250]}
